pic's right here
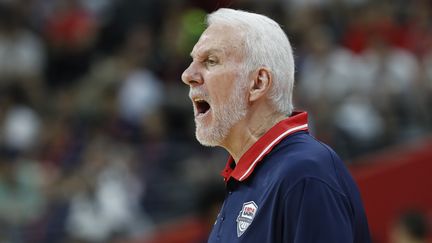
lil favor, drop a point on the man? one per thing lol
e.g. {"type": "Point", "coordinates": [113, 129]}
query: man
{"type": "Point", "coordinates": [282, 184]}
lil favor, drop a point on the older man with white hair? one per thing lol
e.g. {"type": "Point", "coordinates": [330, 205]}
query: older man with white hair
{"type": "Point", "coordinates": [282, 184]}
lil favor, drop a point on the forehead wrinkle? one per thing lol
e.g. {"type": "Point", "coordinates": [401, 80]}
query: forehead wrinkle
{"type": "Point", "coordinates": [229, 42]}
{"type": "Point", "coordinates": [207, 52]}
{"type": "Point", "coordinates": [203, 50]}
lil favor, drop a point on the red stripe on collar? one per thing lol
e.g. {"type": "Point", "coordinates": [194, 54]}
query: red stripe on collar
{"type": "Point", "coordinates": [244, 168]}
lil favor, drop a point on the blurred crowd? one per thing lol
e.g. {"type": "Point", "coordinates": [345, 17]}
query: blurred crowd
{"type": "Point", "coordinates": [96, 129]}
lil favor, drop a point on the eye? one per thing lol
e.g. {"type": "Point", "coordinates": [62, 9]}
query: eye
{"type": "Point", "coordinates": [211, 61]}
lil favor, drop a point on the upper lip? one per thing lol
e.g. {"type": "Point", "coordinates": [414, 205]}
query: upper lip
{"type": "Point", "coordinates": [197, 98]}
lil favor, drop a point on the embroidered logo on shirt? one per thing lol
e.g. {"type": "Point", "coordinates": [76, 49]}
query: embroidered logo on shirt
{"type": "Point", "coordinates": [246, 217]}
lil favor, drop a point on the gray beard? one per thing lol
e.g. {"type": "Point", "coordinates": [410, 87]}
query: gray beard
{"type": "Point", "coordinates": [225, 117]}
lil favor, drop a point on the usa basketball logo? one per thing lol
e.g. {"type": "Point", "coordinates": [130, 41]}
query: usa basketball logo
{"type": "Point", "coordinates": [246, 216]}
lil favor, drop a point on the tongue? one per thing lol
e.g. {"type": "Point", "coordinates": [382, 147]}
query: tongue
{"type": "Point", "coordinates": [203, 107]}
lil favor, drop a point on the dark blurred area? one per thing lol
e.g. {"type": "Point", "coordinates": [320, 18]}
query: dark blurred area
{"type": "Point", "coordinates": [96, 129]}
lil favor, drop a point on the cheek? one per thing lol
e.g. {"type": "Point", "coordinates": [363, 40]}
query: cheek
{"type": "Point", "coordinates": [221, 94]}
{"type": "Point", "coordinates": [221, 83]}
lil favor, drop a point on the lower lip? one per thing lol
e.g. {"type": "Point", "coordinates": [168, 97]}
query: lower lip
{"type": "Point", "coordinates": [202, 116]}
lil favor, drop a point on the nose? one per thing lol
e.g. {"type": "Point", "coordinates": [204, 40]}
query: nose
{"type": "Point", "coordinates": [191, 76]}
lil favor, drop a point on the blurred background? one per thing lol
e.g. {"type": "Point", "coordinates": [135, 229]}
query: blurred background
{"type": "Point", "coordinates": [96, 129]}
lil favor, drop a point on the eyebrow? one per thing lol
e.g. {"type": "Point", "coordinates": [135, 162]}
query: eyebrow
{"type": "Point", "coordinates": [208, 51]}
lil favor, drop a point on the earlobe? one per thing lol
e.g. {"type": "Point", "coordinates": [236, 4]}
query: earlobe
{"type": "Point", "coordinates": [260, 84]}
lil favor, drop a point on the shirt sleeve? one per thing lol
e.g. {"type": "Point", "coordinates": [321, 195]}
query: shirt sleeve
{"type": "Point", "coordinates": [314, 212]}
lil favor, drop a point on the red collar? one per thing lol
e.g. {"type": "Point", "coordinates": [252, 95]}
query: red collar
{"type": "Point", "coordinates": [244, 168]}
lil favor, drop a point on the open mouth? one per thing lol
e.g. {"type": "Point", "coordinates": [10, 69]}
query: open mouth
{"type": "Point", "coordinates": [201, 106]}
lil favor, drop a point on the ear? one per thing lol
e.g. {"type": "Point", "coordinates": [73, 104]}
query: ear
{"type": "Point", "coordinates": [260, 84]}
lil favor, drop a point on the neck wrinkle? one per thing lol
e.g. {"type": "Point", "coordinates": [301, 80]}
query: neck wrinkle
{"type": "Point", "coordinates": [244, 136]}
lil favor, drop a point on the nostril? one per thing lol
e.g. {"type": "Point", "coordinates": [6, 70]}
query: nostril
{"type": "Point", "coordinates": [192, 80]}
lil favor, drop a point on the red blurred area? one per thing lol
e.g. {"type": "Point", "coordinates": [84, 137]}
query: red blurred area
{"type": "Point", "coordinates": [394, 181]}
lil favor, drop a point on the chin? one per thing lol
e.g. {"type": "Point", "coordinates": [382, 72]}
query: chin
{"type": "Point", "coordinates": [209, 137]}
{"type": "Point", "coordinates": [207, 143]}
{"type": "Point", "coordinates": [204, 140]}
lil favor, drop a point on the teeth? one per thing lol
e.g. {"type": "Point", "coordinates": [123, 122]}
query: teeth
{"type": "Point", "coordinates": [198, 99]}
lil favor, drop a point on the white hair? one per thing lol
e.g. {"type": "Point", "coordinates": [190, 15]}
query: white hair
{"type": "Point", "coordinates": [266, 45]}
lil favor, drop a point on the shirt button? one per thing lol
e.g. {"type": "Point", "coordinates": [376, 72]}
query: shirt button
{"type": "Point", "coordinates": [230, 192]}
{"type": "Point", "coordinates": [222, 218]}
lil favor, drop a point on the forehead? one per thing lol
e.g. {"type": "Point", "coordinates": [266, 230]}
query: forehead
{"type": "Point", "coordinates": [222, 39]}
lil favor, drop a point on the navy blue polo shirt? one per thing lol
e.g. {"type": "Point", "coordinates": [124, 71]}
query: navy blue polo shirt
{"type": "Point", "coordinates": [289, 187]}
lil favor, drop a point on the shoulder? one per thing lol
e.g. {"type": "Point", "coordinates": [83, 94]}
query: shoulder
{"type": "Point", "coordinates": [301, 157]}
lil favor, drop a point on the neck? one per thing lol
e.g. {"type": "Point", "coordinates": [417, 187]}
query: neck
{"type": "Point", "coordinates": [247, 131]}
